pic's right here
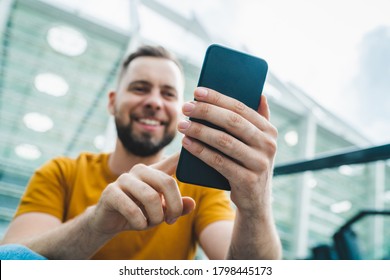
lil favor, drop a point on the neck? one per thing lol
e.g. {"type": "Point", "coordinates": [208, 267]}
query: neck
{"type": "Point", "coordinates": [122, 161]}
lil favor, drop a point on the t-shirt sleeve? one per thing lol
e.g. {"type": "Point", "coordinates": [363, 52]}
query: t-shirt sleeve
{"type": "Point", "coordinates": [214, 205]}
{"type": "Point", "coordinates": [46, 191]}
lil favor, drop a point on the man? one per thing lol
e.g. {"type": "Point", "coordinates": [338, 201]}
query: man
{"type": "Point", "coordinates": [127, 204]}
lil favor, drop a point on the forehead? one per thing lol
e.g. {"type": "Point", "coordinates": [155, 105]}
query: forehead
{"type": "Point", "coordinates": [159, 71]}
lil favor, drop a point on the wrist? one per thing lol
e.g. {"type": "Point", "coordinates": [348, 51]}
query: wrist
{"type": "Point", "coordinates": [260, 210]}
{"type": "Point", "coordinates": [92, 228]}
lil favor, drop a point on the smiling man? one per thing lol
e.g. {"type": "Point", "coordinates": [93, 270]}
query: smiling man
{"type": "Point", "coordinates": [128, 205]}
{"type": "Point", "coordinates": [151, 126]}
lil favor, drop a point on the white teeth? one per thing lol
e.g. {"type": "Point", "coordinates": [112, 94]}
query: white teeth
{"type": "Point", "coordinates": [149, 122]}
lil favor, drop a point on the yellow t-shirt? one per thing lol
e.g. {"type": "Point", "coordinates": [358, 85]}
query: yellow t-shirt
{"type": "Point", "coordinates": [64, 187]}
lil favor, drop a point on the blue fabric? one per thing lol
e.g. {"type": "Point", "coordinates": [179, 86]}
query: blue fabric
{"type": "Point", "coordinates": [18, 252]}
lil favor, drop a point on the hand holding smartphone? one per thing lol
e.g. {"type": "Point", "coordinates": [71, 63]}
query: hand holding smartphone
{"type": "Point", "coordinates": [235, 74]}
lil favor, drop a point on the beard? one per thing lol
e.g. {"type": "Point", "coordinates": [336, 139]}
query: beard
{"type": "Point", "coordinates": [142, 145]}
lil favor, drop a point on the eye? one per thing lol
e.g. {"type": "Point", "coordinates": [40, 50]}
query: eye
{"type": "Point", "coordinates": [169, 95]}
{"type": "Point", "coordinates": [139, 89]}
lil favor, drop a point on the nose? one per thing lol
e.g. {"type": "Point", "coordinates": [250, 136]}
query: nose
{"type": "Point", "coordinates": [154, 100]}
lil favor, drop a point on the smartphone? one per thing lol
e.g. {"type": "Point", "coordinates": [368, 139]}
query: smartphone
{"type": "Point", "coordinates": [233, 73]}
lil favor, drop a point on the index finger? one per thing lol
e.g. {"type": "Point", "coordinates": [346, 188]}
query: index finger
{"type": "Point", "coordinates": [213, 97]}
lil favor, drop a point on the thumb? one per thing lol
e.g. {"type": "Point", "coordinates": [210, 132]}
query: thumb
{"type": "Point", "coordinates": [264, 108]}
{"type": "Point", "coordinates": [167, 165]}
{"type": "Point", "coordinates": [188, 205]}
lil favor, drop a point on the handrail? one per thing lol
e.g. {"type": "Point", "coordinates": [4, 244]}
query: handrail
{"type": "Point", "coordinates": [360, 215]}
{"type": "Point", "coordinates": [345, 239]}
{"type": "Point", "coordinates": [355, 156]}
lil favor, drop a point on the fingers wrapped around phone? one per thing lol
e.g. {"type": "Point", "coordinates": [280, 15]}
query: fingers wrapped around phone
{"type": "Point", "coordinates": [261, 121]}
{"type": "Point", "coordinates": [242, 151]}
{"type": "Point", "coordinates": [245, 137]}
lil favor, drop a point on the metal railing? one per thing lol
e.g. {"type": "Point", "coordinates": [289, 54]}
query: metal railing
{"type": "Point", "coordinates": [354, 156]}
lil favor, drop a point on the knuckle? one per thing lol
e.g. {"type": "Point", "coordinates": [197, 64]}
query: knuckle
{"type": "Point", "coordinates": [234, 120]}
{"type": "Point", "coordinates": [271, 145]}
{"type": "Point", "coordinates": [196, 130]}
{"type": "Point", "coordinates": [224, 141]}
{"type": "Point", "coordinates": [110, 193]}
{"type": "Point", "coordinates": [217, 160]}
{"type": "Point", "coordinates": [122, 179]}
{"type": "Point", "coordinates": [274, 147]}
{"type": "Point", "coordinates": [240, 152]}
{"type": "Point", "coordinates": [239, 107]}
{"type": "Point", "coordinates": [216, 98]}
{"type": "Point", "coordinates": [110, 187]}
{"type": "Point", "coordinates": [274, 131]}
{"type": "Point", "coordinates": [252, 132]}
{"type": "Point", "coordinates": [168, 182]}
{"type": "Point", "coordinates": [204, 109]}
{"type": "Point", "coordinates": [262, 162]}
{"type": "Point", "coordinates": [140, 167]}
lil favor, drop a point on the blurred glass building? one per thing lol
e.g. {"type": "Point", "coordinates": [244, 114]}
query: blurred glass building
{"type": "Point", "coordinates": [57, 64]}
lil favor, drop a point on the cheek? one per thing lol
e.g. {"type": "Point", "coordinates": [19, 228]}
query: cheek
{"type": "Point", "coordinates": [122, 114]}
{"type": "Point", "coordinates": [124, 105]}
{"type": "Point", "coordinates": [119, 111]}
{"type": "Point", "coordinates": [174, 113]}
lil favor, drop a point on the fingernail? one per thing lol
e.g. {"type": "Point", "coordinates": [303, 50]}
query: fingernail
{"type": "Point", "coordinates": [186, 141]}
{"type": "Point", "coordinates": [188, 107]}
{"type": "Point", "coordinates": [201, 92]}
{"type": "Point", "coordinates": [183, 124]}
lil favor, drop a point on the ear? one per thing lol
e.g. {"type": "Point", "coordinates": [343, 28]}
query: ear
{"type": "Point", "coordinates": [111, 102]}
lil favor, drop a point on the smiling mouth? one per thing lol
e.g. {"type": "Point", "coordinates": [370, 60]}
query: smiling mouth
{"type": "Point", "coordinates": [150, 122]}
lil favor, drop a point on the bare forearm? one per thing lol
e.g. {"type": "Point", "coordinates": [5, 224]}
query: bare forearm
{"type": "Point", "coordinates": [71, 240]}
{"type": "Point", "coordinates": [254, 237]}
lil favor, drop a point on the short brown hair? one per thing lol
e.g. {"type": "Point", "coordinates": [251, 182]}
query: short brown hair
{"type": "Point", "coordinates": [150, 51]}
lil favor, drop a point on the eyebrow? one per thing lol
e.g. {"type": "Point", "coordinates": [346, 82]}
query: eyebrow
{"type": "Point", "coordinates": [146, 83]}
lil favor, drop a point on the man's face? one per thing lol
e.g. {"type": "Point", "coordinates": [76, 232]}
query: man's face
{"type": "Point", "coordinates": [146, 105]}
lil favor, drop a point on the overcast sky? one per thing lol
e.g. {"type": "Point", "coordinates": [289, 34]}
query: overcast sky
{"type": "Point", "coordinates": [337, 51]}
